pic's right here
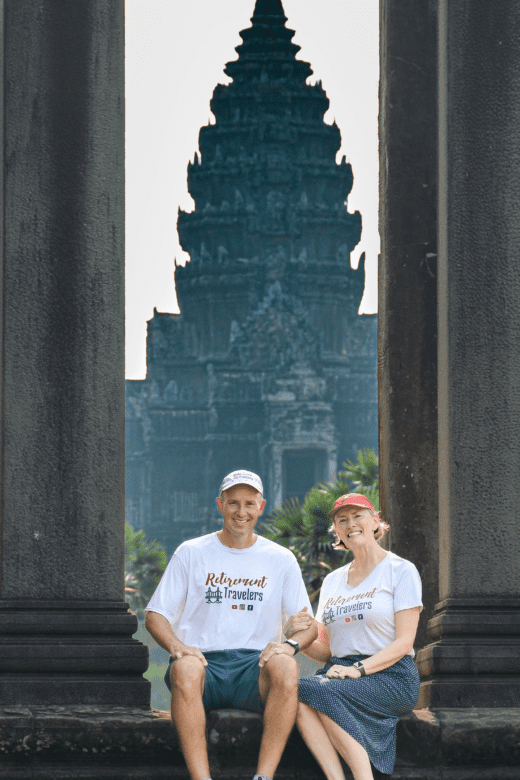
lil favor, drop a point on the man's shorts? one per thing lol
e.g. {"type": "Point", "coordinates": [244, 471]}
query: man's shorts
{"type": "Point", "coordinates": [231, 680]}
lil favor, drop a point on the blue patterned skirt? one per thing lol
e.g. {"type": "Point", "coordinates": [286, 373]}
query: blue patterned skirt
{"type": "Point", "coordinates": [367, 708]}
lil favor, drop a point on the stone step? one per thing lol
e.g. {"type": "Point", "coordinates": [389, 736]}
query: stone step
{"type": "Point", "coordinates": [87, 742]}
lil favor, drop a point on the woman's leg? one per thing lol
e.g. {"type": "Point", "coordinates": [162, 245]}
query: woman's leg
{"type": "Point", "coordinates": [349, 749]}
{"type": "Point", "coordinates": [315, 736]}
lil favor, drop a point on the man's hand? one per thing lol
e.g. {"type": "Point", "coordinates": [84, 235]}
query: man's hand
{"type": "Point", "coordinates": [275, 648]}
{"type": "Point", "coordinates": [182, 651]}
{"type": "Point", "coordinates": [300, 621]}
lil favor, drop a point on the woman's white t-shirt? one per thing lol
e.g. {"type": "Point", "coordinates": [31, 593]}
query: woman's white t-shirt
{"type": "Point", "coordinates": [224, 598]}
{"type": "Point", "coordinates": [361, 620]}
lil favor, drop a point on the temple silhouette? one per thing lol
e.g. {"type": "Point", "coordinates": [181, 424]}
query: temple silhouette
{"type": "Point", "coordinates": [269, 366]}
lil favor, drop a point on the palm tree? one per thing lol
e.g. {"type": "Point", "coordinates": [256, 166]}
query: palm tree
{"type": "Point", "coordinates": [364, 474]}
{"type": "Point", "coordinates": [145, 562]}
{"type": "Point", "coordinates": [306, 528]}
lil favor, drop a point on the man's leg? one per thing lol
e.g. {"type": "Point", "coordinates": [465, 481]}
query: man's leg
{"type": "Point", "coordinates": [278, 686]}
{"type": "Point", "coordinates": [187, 681]}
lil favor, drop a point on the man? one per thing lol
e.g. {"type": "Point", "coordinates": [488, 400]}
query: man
{"type": "Point", "coordinates": [218, 611]}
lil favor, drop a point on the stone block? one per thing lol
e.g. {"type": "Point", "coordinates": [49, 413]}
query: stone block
{"type": "Point", "coordinates": [419, 739]}
{"type": "Point", "coordinates": [480, 737]}
{"type": "Point", "coordinates": [69, 690]}
{"type": "Point", "coordinates": [233, 737]}
{"type": "Point", "coordinates": [469, 691]}
{"type": "Point", "coordinates": [73, 736]}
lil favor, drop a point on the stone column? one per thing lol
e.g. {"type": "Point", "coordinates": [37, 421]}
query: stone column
{"type": "Point", "coordinates": [475, 660]}
{"type": "Point", "coordinates": [274, 469]}
{"type": "Point", "coordinates": [332, 464]}
{"type": "Point", "coordinates": [407, 321]}
{"type": "Point", "coordinates": [66, 633]}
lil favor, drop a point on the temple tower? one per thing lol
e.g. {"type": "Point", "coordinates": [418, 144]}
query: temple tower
{"type": "Point", "coordinates": [269, 366]}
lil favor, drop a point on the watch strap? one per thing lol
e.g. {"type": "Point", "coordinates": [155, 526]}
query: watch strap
{"type": "Point", "coordinates": [294, 644]}
{"type": "Point", "coordinates": [359, 665]}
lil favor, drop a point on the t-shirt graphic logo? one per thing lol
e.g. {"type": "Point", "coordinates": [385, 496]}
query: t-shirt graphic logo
{"type": "Point", "coordinates": [242, 606]}
{"type": "Point", "coordinates": [328, 617]}
{"type": "Point", "coordinates": [214, 596]}
{"type": "Point", "coordinates": [250, 607]}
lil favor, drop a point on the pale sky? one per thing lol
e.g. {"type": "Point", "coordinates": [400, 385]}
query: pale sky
{"type": "Point", "coordinates": [175, 54]}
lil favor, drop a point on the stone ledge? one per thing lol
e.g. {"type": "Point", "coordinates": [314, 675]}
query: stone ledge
{"type": "Point", "coordinates": [460, 738]}
{"type": "Point", "coordinates": [83, 742]}
{"type": "Point", "coordinates": [37, 734]}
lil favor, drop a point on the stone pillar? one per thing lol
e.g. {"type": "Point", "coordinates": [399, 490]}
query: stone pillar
{"type": "Point", "coordinates": [475, 660]}
{"type": "Point", "coordinates": [331, 464]}
{"type": "Point", "coordinates": [66, 633]}
{"type": "Point", "coordinates": [274, 469]}
{"type": "Point", "coordinates": [407, 321]}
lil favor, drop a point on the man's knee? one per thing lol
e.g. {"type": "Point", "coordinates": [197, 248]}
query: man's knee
{"type": "Point", "coordinates": [187, 674]}
{"type": "Point", "coordinates": [282, 670]}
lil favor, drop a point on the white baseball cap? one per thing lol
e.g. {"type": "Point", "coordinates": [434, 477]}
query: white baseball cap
{"type": "Point", "coordinates": [242, 478]}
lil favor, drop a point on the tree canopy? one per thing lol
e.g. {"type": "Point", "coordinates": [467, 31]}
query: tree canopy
{"type": "Point", "coordinates": [306, 528]}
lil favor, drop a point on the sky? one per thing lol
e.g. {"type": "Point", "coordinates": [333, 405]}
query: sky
{"type": "Point", "coordinates": [175, 54]}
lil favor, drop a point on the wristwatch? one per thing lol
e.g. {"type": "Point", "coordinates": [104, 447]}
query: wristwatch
{"type": "Point", "coordinates": [358, 665]}
{"type": "Point", "coordinates": [294, 644]}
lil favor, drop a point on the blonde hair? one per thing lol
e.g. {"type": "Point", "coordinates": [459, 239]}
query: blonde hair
{"type": "Point", "coordinates": [379, 532]}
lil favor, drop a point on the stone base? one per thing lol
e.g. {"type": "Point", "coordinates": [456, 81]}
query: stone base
{"type": "Point", "coordinates": [112, 743]}
{"type": "Point", "coordinates": [460, 743]}
{"type": "Point", "coordinates": [68, 689]}
{"type": "Point", "coordinates": [71, 653]}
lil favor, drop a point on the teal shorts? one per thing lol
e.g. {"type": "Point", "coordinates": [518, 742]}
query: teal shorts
{"type": "Point", "coordinates": [231, 680]}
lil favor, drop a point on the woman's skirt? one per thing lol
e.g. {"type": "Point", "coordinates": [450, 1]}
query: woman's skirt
{"type": "Point", "coordinates": [367, 708]}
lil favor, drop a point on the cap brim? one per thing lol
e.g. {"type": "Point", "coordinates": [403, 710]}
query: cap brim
{"type": "Point", "coordinates": [333, 512]}
{"type": "Point", "coordinates": [241, 482]}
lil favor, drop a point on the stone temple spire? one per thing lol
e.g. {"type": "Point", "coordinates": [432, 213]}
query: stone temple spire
{"type": "Point", "coordinates": [269, 195]}
{"type": "Point", "coordinates": [270, 9]}
{"type": "Point", "coordinates": [268, 367]}
{"type": "Point", "coordinates": [267, 47]}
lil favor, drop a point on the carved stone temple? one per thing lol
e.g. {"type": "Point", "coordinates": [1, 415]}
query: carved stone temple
{"type": "Point", "coordinates": [269, 367]}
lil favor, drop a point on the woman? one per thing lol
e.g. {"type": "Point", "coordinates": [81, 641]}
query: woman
{"type": "Point", "coordinates": [369, 610]}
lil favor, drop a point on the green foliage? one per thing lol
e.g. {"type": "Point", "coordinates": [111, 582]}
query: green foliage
{"type": "Point", "coordinates": [145, 562]}
{"type": "Point", "coordinates": [306, 528]}
{"type": "Point", "coordinates": [284, 521]}
{"type": "Point", "coordinates": [363, 474]}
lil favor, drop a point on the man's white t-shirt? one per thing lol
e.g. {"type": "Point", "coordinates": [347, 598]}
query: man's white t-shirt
{"type": "Point", "coordinates": [361, 620]}
{"type": "Point", "coordinates": [223, 598]}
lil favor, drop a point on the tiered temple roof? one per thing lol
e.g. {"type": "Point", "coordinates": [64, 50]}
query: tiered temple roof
{"type": "Point", "coordinates": [269, 366]}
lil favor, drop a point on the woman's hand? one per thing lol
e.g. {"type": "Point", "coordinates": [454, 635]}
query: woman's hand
{"type": "Point", "coordinates": [300, 621]}
{"type": "Point", "coordinates": [338, 672]}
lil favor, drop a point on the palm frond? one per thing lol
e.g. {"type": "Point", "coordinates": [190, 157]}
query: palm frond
{"type": "Point", "coordinates": [145, 562]}
{"type": "Point", "coordinates": [306, 528]}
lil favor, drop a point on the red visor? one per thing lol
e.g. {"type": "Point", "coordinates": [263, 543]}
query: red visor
{"type": "Point", "coordinates": [351, 499]}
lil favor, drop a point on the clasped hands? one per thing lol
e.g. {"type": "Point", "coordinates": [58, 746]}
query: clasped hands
{"type": "Point", "coordinates": [300, 621]}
